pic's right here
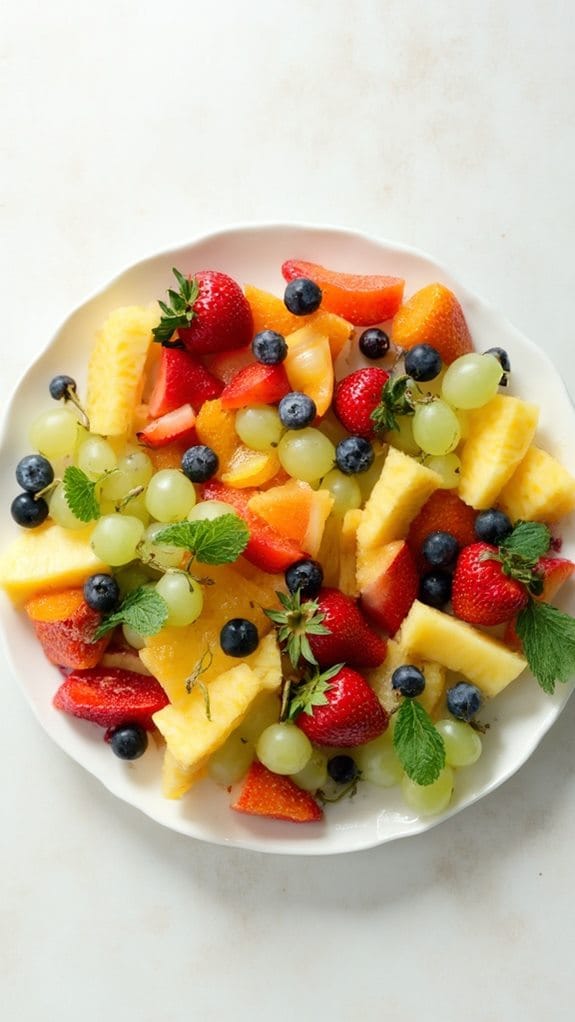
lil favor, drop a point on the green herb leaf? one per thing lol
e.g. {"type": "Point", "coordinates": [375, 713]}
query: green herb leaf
{"type": "Point", "coordinates": [212, 542]}
{"type": "Point", "coordinates": [143, 609]}
{"type": "Point", "coordinates": [312, 692]}
{"type": "Point", "coordinates": [529, 541]}
{"type": "Point", "coordinates": [548, 637]}
{"type": "Point", "coordinates": [418, 744]}
{"type": "Point", "coordinates": [395, 400]}
{"type": "Point", "coordinates": [80, 494]}
{"type": "Point", "coordinates": [180, 312]}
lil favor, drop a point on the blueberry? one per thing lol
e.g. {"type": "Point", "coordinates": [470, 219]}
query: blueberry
{"type": "Point", "coordinates": [302, 296]}
{"type": "Point", "coordinates": [129, 741]}
{"type": "Point", "coordinates": [269, 347]}
{"type": "Point", "coordinates": [102, 593]}
{"type": "Point", "coordinates": [296, 410]}
{"type": "Point", "coordinates": [435, 589]}
{"type": "Point", "coordinates": [440, 549]}
{"type": "Point", "coordinates": [492, 526]}
{"type": "Point", "coordinates": [374, 343]}
{"type": "Point", "coordinates": [28, 511]}
{"type": "Point", "coordinates": [463, 700]}
{"type": "Point", "coordinates": [503, 359]}
{"type": "Point", "coordinates": [354, 454]}
{"type": "Point", "coordinates": [34, 473]}
{"type": "Point", "coordinates": [200, 463]}
{"type": "Point", "coordinates": [61, 386]}
{"type": "Point", "coordinates": [342, 769]}
{"type": "Point", "coordinates": [408, 680]}
{"type": "Point", "coordinates": [307, 576]}
{"type": "Point", "coordinates": [239, 637]}
{"type": "Point", "coordinates": [423, 363]}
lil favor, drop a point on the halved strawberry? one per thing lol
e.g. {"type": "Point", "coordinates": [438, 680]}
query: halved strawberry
{"type": "Point", "coordinates": [182, 379]}
{"type": "Point", "coordinates": [446, 512]}
{"type": "Point", "coordinates": [268, 794]}
{"type": "Point", "coordinates": [111, 696]}
{"type": "Point", "coordinates": [65, 626]}
{"type": "Point", "coordinates": [256, 384]}
{"type": "Point", "coordinates": [361, 299]}
{"type": "Point", "coordinates": [176, 425]}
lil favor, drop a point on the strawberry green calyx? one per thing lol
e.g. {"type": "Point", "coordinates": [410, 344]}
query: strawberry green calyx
{"type": "Point", "coordinates": [519, 554]}
{"type": "Point", "coordinates": [312, 692]}
{"type": "Point", "coordinates": [294, 623]}
{"type": "Point", "coordinates": [396, 399]}
{"type": "Point", "coordinates": [179, 313]}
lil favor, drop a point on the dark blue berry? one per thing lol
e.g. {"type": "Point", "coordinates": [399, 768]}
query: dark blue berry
{"type": "Point", "coordinates": [374, 343]}
{"type": "Point", "coordinates": [503, 359]}
{"type": "Point", "coordinates": [423, 363]}
{"type": "Point", "coordinates": [269, 347]}
{"type": "Point", "coordinates": [61, 387]}
{"type": "Point", "coordinates": [440, 549]}
{"type": "Point", "coordinates": [296, 410]}
{"type": "Point", "coordinates": [239, 637]}
{"type": "Point", "coordinates": [492, 526]}
{"type": "Point", "coordinates": [463, 700]}
{"type": "Point", "coordinates": [200, 463]}
{"type": "Point", "coordinates": [302, 296]}
{"type": "Point", "coordinates": [102, 593]}
{"type": "Point", "coordinates": [28, 511]}
{"type": "Point", "coordinates": [435, 589]}
{"type": "Point", "coordinates": [342, 769]}
{"type": "Point", "coordinates": [129, 741]}
{"type": "Point", "coordinates": [354, 454]}
{"type": "Point", "coordinates": [307, 576]}
{"type": "Point", "coordinates": [34, 473]}
{"type": "Point", "coordinates": [408, 680]}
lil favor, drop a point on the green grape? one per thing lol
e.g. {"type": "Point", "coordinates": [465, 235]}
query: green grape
{"type": "Point", "coordinates": [96, 457]}
{"type": "Point", "coordinates": [472, 380]}
{"type": "Point", "coordinates": [161, 554]}
{"type": "Point", "coordinates": [448, 466]}
{"type": "Point", "coordinates": [184, 597]}
{"type": "Point", "coordinates": [344, 489]}
{"type": "Point", "coordinates": [332, 428]}
{"type": "Point", "coordinates": [60, 512]}
{"type": "Point", "coordinates": [306, 454]}
{"type": "Point", "coordinates": [116, 537]}
{"type": "Point", "coordinates": [170, 495]}
{"type": "Point", "coordinates": [402, 437]}
{"type": "Point", "coordinates": [367, 480]}
{"type": "Point", "coordinates": [259, 427]}
{"type": "Point", "coordinates": [54, 433]}
{"type": "Point", "coordinates": [265, 710]}
{"type": "Point", "coordinates": [436, 427]}
{"type": "Point", "coordinates": [462, 744]}
{"type": "Point", "coordinates": [134, 469]}
{"type": "Point", "coordinates": [314, 773]}
{"type": "Point", "coordinates": [136, 506]}
{"type": "Point", "coordinates": [429, 799]}
{"type": "Point", "coordinates": [133, 638]}
{"type": "Point", "coordinates": [231, 761]}
{"type": "Point", "coordinates": [378, 762]}
{"type": "Point", "coordinates": [432, 387]}
{"type": "Point", "coordinates": [283, 748]}
{"type": "Point", "coordinates": [207, 510]}
{"type": "Point", "coordinates": [132, 576]}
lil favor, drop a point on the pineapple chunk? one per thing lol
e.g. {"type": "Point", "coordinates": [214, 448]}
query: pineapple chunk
{"type": "Point", "coordinates": [499, 435]}
{"type": "Point", "coordinates": [348, 553]}
{"type": "Point", "coordinates": [400, 492]}
{"type": "Point", "coordinates": [47, 558]}
{"type": "Point", "coordinates": [116, 368]}
{"type": "Point", "coordinates": [176, 779]}
{"type": "Point", "coordinates": [540, 489]}
{"type": "Point", "coordinates": [460, 647]}
{"type": "Point", "coordinates": [380, 678]}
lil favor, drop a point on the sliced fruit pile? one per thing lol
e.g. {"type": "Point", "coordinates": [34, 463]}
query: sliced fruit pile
{"type": "Point", "coordinates": [278, 531]}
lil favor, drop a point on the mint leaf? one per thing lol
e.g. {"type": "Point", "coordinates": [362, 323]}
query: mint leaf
{"type": "Point", "coordinates": [180, 312]}
{"type": "Point", "coordinates": [528, 541]}
{"type": "Point", "coordinates": [80, 494]}
{"type": "Point", "coordinates": [548, 637]}
{"type": "Point", "coordinates": [143, 609]}
{"type": "Point", "coordinates": [212, 542]}
{"type": "Point", "coordinates": [418, 744]}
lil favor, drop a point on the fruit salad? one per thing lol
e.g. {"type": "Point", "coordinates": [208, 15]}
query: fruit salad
{"type": "Point", "coordinates": [297, 541]}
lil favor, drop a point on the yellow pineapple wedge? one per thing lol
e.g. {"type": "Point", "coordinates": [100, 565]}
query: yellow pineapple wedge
{"type": "Point", "coordinates": [499, 436]}
{"type": "Point", "coordinates": [460, 647]}
{"type": "Point", "coordinates": [176, 779]}
{"type": "Point", "coordinates": [400, 492]}
{"type": "Point", "coordinates": [116, 368]}
{"type": "Point", "coordinates": [47, 558]}
{"type": "Point", "coordinates": [540, 489]}
{"type": "Point", "coordinates": [396, 655]}
{"type": "Point", "coordinates": [348, 553]}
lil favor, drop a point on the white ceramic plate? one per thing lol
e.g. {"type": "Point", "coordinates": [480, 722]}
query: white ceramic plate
{"type": "Point", "coordinates": [519, 717]}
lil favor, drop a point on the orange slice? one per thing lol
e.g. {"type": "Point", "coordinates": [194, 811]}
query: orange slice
{"type": "Point", "coordinates": [296, 511]}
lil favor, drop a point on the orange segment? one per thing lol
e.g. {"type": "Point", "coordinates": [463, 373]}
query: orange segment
{"type": "Point", "coordinates": [270, 313]}
{"type": "Point", "coordinates": [433, 316]}
{"type": "Point", "coordinates": [169, 456]}
{"type": "Point", "coordinates": [250, 468]}
{"type": "Point", "coordinates": [54, 606]}
{"type": "Point", "coordinates": [216, 427]}
{"type": "Point", "coordinates": [296, 511]}
{"type": "Point", "coordinates": [309, 366]}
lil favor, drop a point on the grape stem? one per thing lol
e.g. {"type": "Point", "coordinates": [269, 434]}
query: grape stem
{"type": "Point", "coordinates": [73, 397]}
{"type": "Point", "coordinates": [47, 489]}
{"type": "Point", "coordinates": [135, 492]}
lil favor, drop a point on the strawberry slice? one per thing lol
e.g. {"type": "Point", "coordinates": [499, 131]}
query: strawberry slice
{"type": "Point", "coordinates": [182, 379]}
{"type": "Point", "coordinates": [177, 425]}
{"type": "Point", "coordinates": [111, 696]}
{"type": "Point", "coordinates": [267, 794]}
{"type": "Point", "coordinates": [65, 626]}
{"type": "Point", "coordinates": [267, 548]}
{"type": "Point", "coordinates": [256, 384]}
{"type": "Point", "coordinates": [361, 299]}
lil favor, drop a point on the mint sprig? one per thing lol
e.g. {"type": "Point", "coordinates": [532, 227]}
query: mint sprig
{"type": "Point", "coordinates": [529, 541]}
{"type": "Point", "coordinates": [418, 744]}
{"type": "Point", "coordinates": [143, 609]}
{"type": "Point", "coordinates": [180, 312]}
{"type": "Point", "coordinates": [548, 637]}
{"type": "Point", "coordinates": [80, 494]}
{"type": "Point", "coordinates": [219, 541]}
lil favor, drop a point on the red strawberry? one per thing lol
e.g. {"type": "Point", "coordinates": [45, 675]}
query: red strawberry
{"type": "Point", "coordinates": [256, 384]}
{"type": "Point", "coordinates": [177, 425]}
{"type": "Point", "coordinates": [226, 364]}
{"type": "Point", "coordinates": [182, 379]}
{"type": "Point", "coordinates": [482, 593]}
{"type": "Point", "coordinates": [361, 299]}
{"type": "Point", "coordinates": [338, 709]}
{"type": "Point", "coordinates": [444, 511]}
{"type": "Point", "coordinates": [391, 586]}
{"type": "Point", "coordinates": [111, 696]}
{"type": "Point", "coordinates": [65, 626]}
{"type": "Point", "coordinates": [209, 313]}
{"type": "Point", "coordinates": [267, 794]}
{"type": "Point", "coordinates": [356, 397]}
